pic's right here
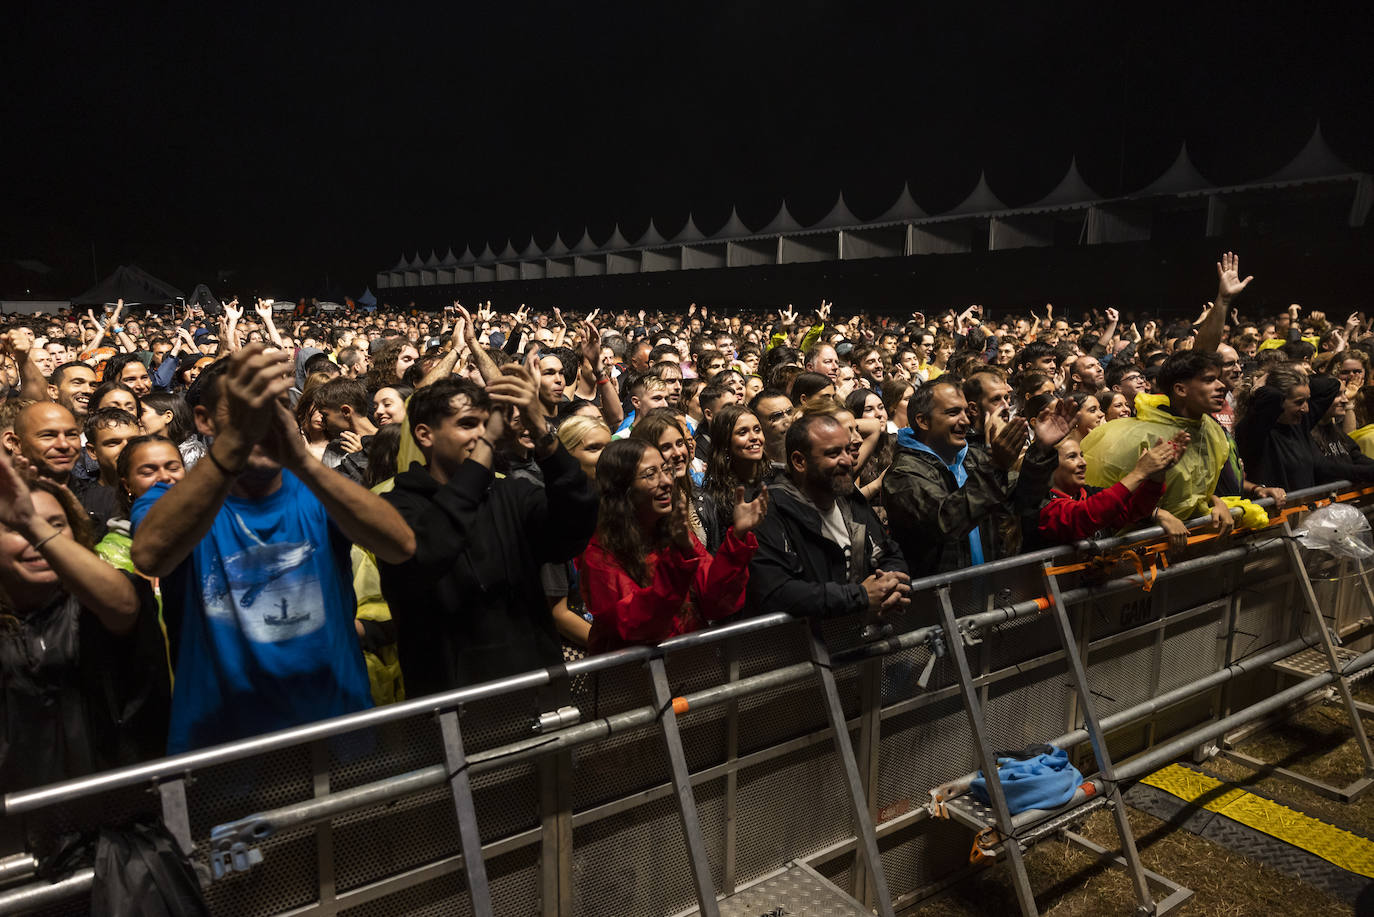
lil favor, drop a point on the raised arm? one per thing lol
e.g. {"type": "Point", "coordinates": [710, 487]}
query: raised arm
{"type": "Point", "coordinates": [99, 587]}
{"type": "Point", "coordinates": [264, 310]}
{"type": "Point", "coordinates": [364, 517]}
{"type": "Point", "coordinates": [1229, 285]}
{"type": "Point", "coordinates": [176, 523]}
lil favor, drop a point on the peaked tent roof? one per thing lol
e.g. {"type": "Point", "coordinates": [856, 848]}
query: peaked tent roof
{"type": "Point", "coordinates": [839, 216]}
{"type": "Point", "coordinates": [467, 257]}
{"type": "Point", "coordinates": [584, 244]}
{"type": "Point", "coordinates": [783, 222]}
{"type": "Point", "coordinates": [417, 262]}
{"type": "Point", "coordinates": [617, 241]}
{"type": "Point", "coordinates": [487, 255]}
{"type": "Point", "coordinates": [433, 260]}
{"type": "Point", "coordinates": [532, 250]}
{"type": "Point", "coordinates": [366, 298]}
{"type": "Point", "coordinates": [1071, 190]}
{"type": "Point", "coordinates": [450, 259]}
{"type": "Point", "coordinates": [904, 209]}
{"type": "Point", "coordinates": [689, 232]}
{"type": "Point", "coordinates": [557, 247]}
{"type": "Point", "coordinates": [651, 236]}
{"type": "Point", "coordinates": [734, 228]}
{"type": "Point", "coordinates": [1180, 178]}
{"type": "Point", "coordinates": [1315, 160]}
{"type": "Point", "coordinates": [509, 253]}
{"type": "Point", "coordinates": [980, 200]}
{"type": "Point", "coordinates": [402, 264]}
{"type": "Point", "coordinates": [131, 284]}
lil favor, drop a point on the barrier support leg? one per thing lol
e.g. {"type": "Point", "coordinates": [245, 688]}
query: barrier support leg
{"type": "Point", "coordinates": [468, 836]}
{"type": "Point", "coordinates": [839, 728]}
{"type": "Point", "coordinates": [682, 784]}
{"type": "Point", "coordinates": [987, 761]}
{"type": "Point", "coordinates": [1309, 598]}
{"type": "Point", "coordinates": [1145, 903]}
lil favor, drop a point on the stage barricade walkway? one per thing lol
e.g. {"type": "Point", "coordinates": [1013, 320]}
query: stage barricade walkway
{"type": "Point", "coordinates": [652, 780]}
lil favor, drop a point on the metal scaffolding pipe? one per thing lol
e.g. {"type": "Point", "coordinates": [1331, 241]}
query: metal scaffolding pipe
{"type": "Point", "coordinates": [28, 898]}
{"type": "Point", "coordinates": [1175, 747]}
{"type": "Point", "coordinates": [1253, 663]}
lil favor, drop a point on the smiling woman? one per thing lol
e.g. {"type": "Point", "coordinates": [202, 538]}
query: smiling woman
{"type": "Point", "coordinates": [645, 576]}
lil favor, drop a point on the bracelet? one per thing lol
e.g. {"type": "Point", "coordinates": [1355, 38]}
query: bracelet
{"type": "Point", "coordinates": [48, 539]}
{"type": "Point", "coordinates": [603, 380]}
{"type": "Point", "coordinates": [210, 453]}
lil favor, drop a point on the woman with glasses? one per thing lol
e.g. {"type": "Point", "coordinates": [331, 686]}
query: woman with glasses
{"type": "Point", "coordinates": [645, 576]}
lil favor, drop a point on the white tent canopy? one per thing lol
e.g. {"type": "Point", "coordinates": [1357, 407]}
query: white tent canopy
{"type": "Point", "coordinates": [905, 208]}
{"type": "Point", "coordinates": [1180, 178]}
{"type": "Point", "coordinates": [980, 200]}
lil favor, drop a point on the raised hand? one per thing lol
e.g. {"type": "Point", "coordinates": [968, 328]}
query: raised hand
{"type": "Point", "coordinates": [16, 502]}
{"type": "Point", "coordinates": [1055, 422]}
{"type": "Point", "coordinates": [824, 310]}
{"type": "Point", "coordinates": [788, 315]}
{"type": "Point", "coordinates": [1007, 445]}
{"type": "Point", "coordinates": [919, 318]}
{"type": "Point", "coordinates": [264, 310]}
{"type": "Point", "coordinates": [1113, 316]}
{"type": "Point", "coordinates": [521, 314]}
{"type": "Point", "coordinates": [680, 521]}
{"type": "Point", "coordinates": [591, 345]}
{"type": "Point", "coordinates": [1228, 278]}
{"type": "Point", "coordinates": [749, 513]}
{"type": "Point", "coordinates": [254, 382]}
{"type": "Point", "coordinates": [558, 319]}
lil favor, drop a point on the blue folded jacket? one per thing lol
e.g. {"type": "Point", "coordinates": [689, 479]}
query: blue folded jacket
{"type": "Point", "coordinates": [1044, 781]}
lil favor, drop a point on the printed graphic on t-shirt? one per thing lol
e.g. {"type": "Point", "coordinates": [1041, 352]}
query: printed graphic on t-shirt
{"type": "Point", "coordinates": [268, 589]}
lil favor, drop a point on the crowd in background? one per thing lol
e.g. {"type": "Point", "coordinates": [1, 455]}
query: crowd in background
{"type": "Point", "coordinates": [217, 525]}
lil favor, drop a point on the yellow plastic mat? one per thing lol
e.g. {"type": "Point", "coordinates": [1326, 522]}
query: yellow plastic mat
{"type": "Point", "coordinates": [1339, 847]}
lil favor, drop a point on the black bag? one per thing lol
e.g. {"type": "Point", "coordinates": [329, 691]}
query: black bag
{"type": "Point", "coordinates": [141, 872]}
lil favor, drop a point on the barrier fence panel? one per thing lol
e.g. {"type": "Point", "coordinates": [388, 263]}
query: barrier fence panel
{"type": "Point", "coordinates": [571, 771]}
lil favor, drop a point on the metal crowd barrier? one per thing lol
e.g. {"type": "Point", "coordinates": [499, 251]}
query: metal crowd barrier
{"type": "Point", "coordinates": [765, 758]}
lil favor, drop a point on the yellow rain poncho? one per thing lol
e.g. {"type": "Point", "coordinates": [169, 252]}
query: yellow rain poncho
{"type": "Point", "coordinates": [1364, 438]}
{"type": "Point", "coordinates": [1114, 447]}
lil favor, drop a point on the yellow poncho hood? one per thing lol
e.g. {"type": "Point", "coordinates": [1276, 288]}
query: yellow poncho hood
{"type": "Point", "coordinates": [1114, 447]}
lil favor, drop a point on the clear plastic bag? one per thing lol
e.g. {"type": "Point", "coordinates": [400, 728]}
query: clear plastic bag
{"type": "Point", "coordinates": [1339, 530]}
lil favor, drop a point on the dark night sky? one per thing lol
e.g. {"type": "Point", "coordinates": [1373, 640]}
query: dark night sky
{"type": "Point", "coordinates": [308, 141]}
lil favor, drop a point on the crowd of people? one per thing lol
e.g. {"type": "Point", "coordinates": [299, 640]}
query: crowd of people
{"type": "Point", "coordinates": [214, 527]}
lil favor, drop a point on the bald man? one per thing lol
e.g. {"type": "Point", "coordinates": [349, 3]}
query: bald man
{"type": "Point", "coordinates": [48, 435]}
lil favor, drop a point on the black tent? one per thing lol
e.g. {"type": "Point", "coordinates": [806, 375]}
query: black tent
{"type": "Point", "coordinates": [131, 284]}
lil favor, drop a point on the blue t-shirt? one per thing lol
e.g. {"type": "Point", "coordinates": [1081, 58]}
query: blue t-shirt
{"type": "Point", "coordinates": [265, 608]}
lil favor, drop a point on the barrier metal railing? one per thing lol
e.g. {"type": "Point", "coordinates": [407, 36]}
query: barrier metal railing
{"type": "Point", "coordinates": [745, 712]}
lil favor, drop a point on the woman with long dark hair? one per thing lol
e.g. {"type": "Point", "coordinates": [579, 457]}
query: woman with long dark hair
{"type": "Point", "coordinates": [666, 430]}
{"type": "Point", "coordinates": [737, 460]}
{"type": "Point", "coordinates": [645, 577]}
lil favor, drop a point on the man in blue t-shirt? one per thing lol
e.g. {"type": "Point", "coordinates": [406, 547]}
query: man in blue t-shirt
{"type": "Point", "coordinates": [252, 547]}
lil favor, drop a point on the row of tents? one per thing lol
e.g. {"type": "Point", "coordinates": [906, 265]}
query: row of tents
{"type": "Point", "coordinates": [1314, 163]}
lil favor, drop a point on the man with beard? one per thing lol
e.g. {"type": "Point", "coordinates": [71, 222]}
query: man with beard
{"type": "Point", "coordinates": [947, 503]}
{"type": "Point", "coordinates": [71, 385]}
{"type": "Point", "coordinates": [989, 404]}
{"type": "Point", "coordinates": [822, 552]}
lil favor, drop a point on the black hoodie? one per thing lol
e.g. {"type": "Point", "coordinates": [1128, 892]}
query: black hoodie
{"type": "Point", "coordinates": [468, 605]}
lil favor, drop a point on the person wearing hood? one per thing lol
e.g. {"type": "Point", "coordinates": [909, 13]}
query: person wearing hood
{"type": "Point", "coordinates": [1191, 390]}
{"type": "Point", "coordinates": [469, 605]}
{"type": "Point", "coordinates": [822, 552]}
{"type": "Point", "coordinates": [947, 503]}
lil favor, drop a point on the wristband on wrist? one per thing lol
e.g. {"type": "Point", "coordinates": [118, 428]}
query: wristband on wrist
{"type": "Point", "coordinates": [44, 541]}
{"type": "Point", "coordinates": [224, 470]}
